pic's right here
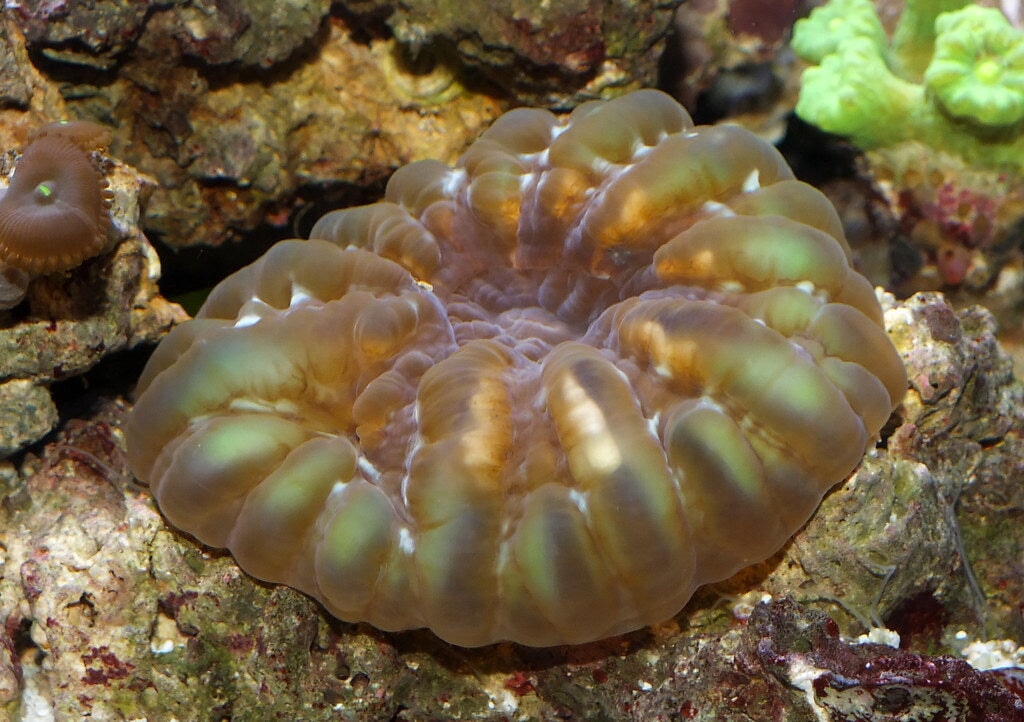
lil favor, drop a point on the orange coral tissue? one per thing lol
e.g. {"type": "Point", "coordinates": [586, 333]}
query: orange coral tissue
{"type": "Point", "coordinates": [541, 396]}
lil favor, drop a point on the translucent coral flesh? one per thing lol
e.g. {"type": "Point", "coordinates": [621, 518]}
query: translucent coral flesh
{"type": "Point", "coordinates": [541, 396]}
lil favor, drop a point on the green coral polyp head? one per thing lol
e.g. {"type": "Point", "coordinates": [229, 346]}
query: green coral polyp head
{"type": "Point", "coordinates": [977, 72]}
{"type": "Point", "coordinates": [828, 26]}
{"type": "Point", "coordinates": [853, 93]}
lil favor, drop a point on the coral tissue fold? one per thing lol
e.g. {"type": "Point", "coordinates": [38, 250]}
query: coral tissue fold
{"type": "Point", "coordinates": [541, 396]}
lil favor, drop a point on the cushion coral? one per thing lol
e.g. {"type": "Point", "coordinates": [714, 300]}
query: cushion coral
{"type": "Point", "coordinates": [541, 396]}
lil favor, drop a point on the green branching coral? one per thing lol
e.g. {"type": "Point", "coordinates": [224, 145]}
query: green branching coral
{"type": "Point", "coordinates": [952, 78]}
{"type": "Point", "coordinates": [829, 26]}
{"type": "Point", "coordinates": [854, 93]}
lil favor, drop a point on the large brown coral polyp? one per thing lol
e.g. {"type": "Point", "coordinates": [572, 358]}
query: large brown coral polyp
{"type": "Point", "coordinates": [540, 396]}
{"type": "Point", "coordinates": [55, 213]}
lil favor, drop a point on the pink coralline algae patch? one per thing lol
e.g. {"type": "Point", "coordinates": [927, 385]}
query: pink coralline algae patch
{"type": "Point", "coordinates": [954, 225]}
{"type": "Point", "coordinates": [803, 651]}
{"type": "Point", "coordinates": [102, 665]}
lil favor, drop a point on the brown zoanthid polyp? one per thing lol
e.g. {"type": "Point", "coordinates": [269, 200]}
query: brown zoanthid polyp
{"type": "Point", "coordinates": [56, 211]}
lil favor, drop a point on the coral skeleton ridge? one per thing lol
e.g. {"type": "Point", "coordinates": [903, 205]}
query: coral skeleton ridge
{"type": "Point", "coordinates": [541, 396]}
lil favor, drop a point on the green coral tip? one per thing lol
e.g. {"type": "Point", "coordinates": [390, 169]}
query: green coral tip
{"type": "Point", "coordinates": [977, 72]}
{"type": "Point", "coordinates": [822, 32]}
{"type": "Point", "coordinates": [853, 93]}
